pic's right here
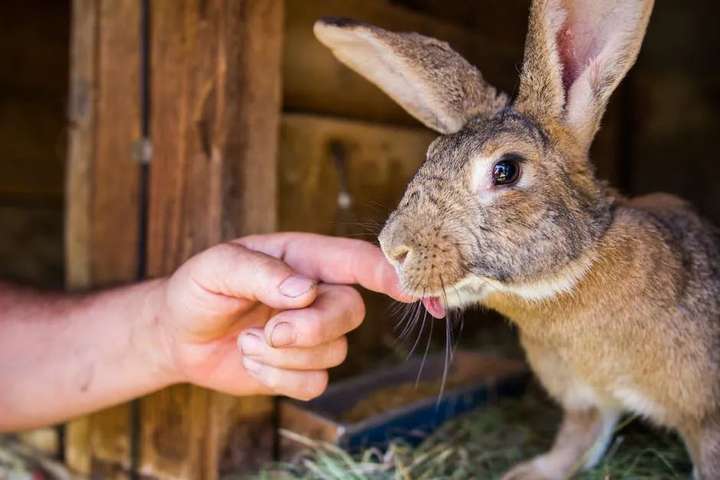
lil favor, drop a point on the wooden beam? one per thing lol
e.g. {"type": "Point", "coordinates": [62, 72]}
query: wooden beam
{"type": "Point", "coordinates": [215, 113]}
{"type": "Point", "coordinates": [103, 191]}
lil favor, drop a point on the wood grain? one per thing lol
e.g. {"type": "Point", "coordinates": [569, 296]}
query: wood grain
{"type": "Point", "coordinates": [103, 191]}
{"type": "Point", "coordinates": [379, 161]}
{"type": "Point", "coordinates": [215, 109]}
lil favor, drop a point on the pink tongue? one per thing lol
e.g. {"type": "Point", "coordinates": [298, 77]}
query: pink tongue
{"type": "Point", "coordinates": [434, 306]}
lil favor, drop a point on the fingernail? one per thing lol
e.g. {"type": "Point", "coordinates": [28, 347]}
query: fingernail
{"type": "Point", "coordinates": [282, 335]}
{"type": "Point", "coordinates": [252, 366]}
{"type": "Point", "coordinates": [250, 343]}
{"type": "Point", "coordinates": [296, 285]}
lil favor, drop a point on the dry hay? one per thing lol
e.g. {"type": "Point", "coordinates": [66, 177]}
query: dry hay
{"type": "Point", "coordinates": [483, 445]}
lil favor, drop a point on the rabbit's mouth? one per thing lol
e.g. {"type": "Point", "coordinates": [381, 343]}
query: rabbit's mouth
{"type": "Point", "coordinates": [434, 306]}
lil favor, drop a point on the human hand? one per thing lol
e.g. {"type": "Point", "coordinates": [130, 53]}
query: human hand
{"type": "Point", "coordinates": [268, 314]}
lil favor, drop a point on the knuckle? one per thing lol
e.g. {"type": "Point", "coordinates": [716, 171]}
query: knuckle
{"type": "Point", "coordinates": [271, 378]}
{"type": "Point", "coordinates": [356, 307]}
{"type": "Point", "coordinates": [224, 258]}
{"type": "Point", "coordinates": [265, 263]}
{"type": "Point", "coordinates": [315, 386]}
{"type": "Point", "coordinates": [339, 352]}
{"type": "Point", "coordinates": [313, 329]}
{"type": "Point", "coordinates": [225, 251]}
{"type": "Point", "coordinates": [353, 300]}
{"type": "Point", "coordinates": [360, 313]}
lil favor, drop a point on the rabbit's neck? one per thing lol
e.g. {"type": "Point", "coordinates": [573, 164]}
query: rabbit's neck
{"type": "Point", "coordinates": [558, 296]}
{"type": "Point", "coordinates": [587, 288]}
{"type": "Point", "coordinates": [562, 282]}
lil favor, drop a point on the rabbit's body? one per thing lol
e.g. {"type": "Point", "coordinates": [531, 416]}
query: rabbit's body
{"type": "Point", "coordinates": [639, 332]}
{"type": "Point", "coordinates": [617, 301]}
{"type": "Point", "coordinates": [647, 308]}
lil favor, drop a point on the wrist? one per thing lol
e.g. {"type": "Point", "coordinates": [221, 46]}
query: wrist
{"type": "Point", "coordinates": [155, 330]}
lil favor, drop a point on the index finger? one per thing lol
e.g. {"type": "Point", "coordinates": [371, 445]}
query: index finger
{"type": "Point", "coordinates": [332, 260]}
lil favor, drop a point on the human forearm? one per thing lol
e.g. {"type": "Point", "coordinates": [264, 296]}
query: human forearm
{"type": "Point", "coordinates": [65, 355]}
{"type": "Point", "coordinates": [261, 315]}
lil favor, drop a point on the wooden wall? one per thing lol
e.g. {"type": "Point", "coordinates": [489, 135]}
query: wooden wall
{"type": "Point", "coordinates": [200, 82]}
{"type": "Point", "coordinates": [338, 135]}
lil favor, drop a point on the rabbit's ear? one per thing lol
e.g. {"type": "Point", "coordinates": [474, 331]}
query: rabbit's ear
{"type": "Point", "coordinates": [576, 54]}
{"type": "Point", "coordinates": [425, 76]}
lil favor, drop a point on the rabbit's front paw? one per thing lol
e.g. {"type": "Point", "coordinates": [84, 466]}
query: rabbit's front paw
{"type": "Point", "coordinates": [528, 471]}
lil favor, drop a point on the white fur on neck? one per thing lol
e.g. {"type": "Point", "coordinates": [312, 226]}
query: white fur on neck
{"type": "Point", "coordinates": [476, 289]}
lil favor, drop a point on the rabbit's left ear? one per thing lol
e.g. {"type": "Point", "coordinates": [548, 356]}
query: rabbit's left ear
{"type": "Point", "coordinates": [576, 54]}
{"type": "Point", "coordinates": [425, 76]}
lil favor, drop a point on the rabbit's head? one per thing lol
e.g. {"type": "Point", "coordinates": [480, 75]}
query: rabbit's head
{"type": "Point", "coordinates": [507, 196]}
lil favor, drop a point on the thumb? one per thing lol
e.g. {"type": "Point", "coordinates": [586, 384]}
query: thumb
{"type": "Point", "coordinates": [235, 271]}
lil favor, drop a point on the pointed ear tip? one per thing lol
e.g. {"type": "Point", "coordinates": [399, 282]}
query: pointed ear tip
{"type": "Point", "coordinates": [340, 22]}
{"type": "Point", "coordinates": [335, 23]}
{"type": "Point", "coordinates": [324, 27]}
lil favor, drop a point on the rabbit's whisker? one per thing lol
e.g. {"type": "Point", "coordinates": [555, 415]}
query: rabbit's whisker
{"type": "Point", "coordinates": [448, 342]}
{"type": "Point", "coordinates": [425, 354]}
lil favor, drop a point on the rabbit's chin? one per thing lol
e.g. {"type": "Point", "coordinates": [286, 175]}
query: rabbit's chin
{"type": "Point", "coordinates": [470, 291]}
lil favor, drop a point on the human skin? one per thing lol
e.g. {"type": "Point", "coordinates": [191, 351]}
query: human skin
{"type": "Point", "coordinates": [260, 315]}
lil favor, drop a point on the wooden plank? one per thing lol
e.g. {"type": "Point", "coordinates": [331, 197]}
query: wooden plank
{"type": "Point", "coordinates": [314, 81]}
{"type": "Point", "coordinates": [379, 160]}
{"type": "Point", "coordinates": [215, 109]}
{"type": "Point", "coordinates": [81, 144]}
{"type": "Point", "coordinates": [81, 153]}
{"type": "Point", "coordinates": [103, 191]}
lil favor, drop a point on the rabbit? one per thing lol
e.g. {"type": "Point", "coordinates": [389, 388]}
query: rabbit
{"type": "Point", "coordinates": [616, 300]}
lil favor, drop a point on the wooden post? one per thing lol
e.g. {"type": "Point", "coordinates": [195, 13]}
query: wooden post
{"type": "Point", "coordinates": [215, 113]}
{"type": "Point", "coordinates": [103, 190]}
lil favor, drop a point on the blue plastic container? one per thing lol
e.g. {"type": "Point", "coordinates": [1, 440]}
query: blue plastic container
{"type": "Point", "coordinates": [484, 379]}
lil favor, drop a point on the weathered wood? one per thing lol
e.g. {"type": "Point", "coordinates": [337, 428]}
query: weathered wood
{"type": "Point", "coordinates": [103, 190]}
{"type": "Point", "coordinates": [314, 81]}
{"type": "Point", "coordinates": [81, 153]}
{"type": "Point", "coordinates": [379, 161]}
{"type": "Point", "coordinates": [81, 145]}
{"type": "Point", "coordinates": [215, 109]}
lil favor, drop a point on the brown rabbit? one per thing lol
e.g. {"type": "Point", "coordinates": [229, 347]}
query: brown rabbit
{"type": "Point", "coordinates": [617, 300]}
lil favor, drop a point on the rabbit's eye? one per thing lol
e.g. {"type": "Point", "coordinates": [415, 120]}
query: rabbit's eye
{"type": "Point", "coordinates": [506, 171]}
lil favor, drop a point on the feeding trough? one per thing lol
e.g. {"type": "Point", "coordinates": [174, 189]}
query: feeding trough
{"type": "Point", "coordinates": [372, 409]}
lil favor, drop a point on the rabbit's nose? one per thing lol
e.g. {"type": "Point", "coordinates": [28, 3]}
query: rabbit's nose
{"type": "Point", "coordinates": [400, 254]}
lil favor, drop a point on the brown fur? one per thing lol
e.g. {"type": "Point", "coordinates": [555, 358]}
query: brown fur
{"type": "Point", "coordinates": [617, 300]}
